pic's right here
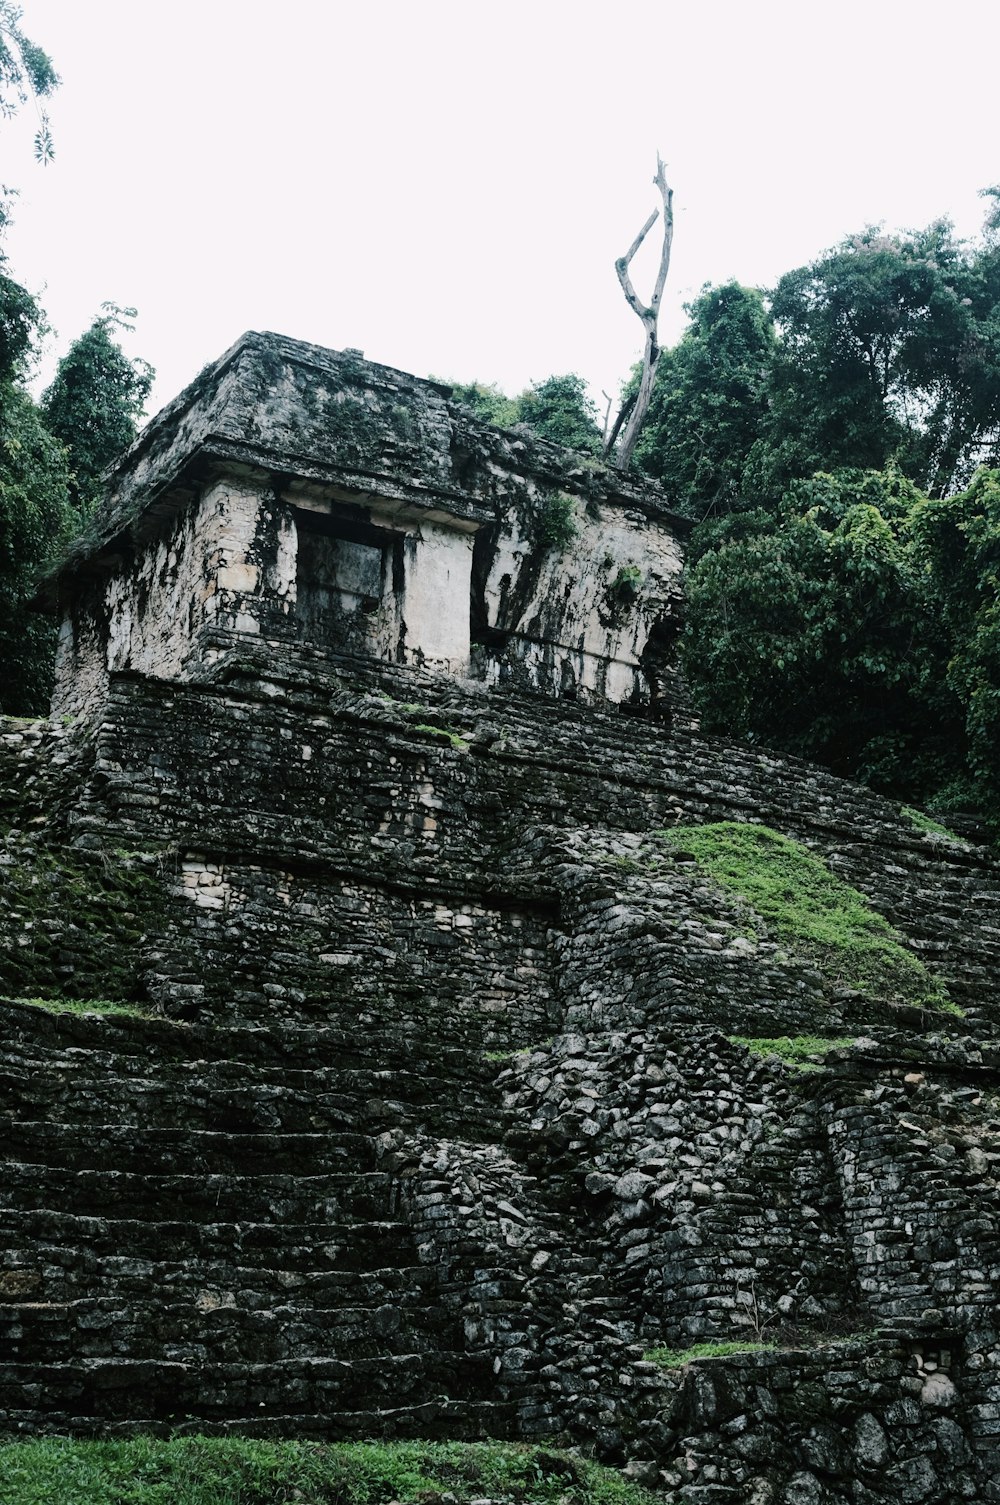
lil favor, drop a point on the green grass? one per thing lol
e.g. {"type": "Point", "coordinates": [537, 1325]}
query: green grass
{"type": "Point", "coordinates": [457, 742]}
{"type": "Point", "coordinates": [236, 1471]}
{"type": "Point", "coordinates": [807, 907]}
{"type": "Point", "coordinates": [926, 823]}
{"type": "Point", "coordinates": [82, 1006]}
{"type": "Point", "coordinates": [795, 1050]}
{"type": "Point", "coordinates": [673, 1358]}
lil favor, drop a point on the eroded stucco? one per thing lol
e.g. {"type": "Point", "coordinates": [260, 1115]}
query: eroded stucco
{"type": "Point", "coordinates": [298, 495]}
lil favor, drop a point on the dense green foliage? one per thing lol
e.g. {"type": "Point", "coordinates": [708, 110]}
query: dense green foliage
{"type": "Point", "coordinates": [50, 457]}
{"type": "Point", "coordinates": [890, 345]}
{"type": "Point", "coordinates": [818, 628]}
{"type": "Point", "coordinates": [844, 574]}
{"type": "Point", "coordinates": [35, 518]}
{"type": "Point", "coordinates": [804, 905]}
{"type": "Point", "coordinates": [26, 72]}
{"type": "Point", "coordinates": [239, 1471]}
{"type": "Point", "coordinates": [94, 403]}
{"type": "Point", "coordinates": [710, 401]}
{"type": "Point", "coordinates": [557, 408]}
{"type": "Point", "coordinates": [885, 348]}
{"type": "Point", "coordinates": [88, 416]}
{"type": "Point", "coordinates": [857, 624]}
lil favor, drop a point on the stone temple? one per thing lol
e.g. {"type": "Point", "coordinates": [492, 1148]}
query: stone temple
{"type": "Point", "coordinates": [464, 1081]}
{"type": "Point", "coordinates": [298, 495]}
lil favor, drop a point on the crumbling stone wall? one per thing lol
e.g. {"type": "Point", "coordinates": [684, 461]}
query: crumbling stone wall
{"type": "Point", "coordinates": [437, 1127]}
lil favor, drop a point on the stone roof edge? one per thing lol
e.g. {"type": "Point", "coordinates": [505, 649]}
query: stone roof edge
{"type": "Point", "coordinates": [114, 527]}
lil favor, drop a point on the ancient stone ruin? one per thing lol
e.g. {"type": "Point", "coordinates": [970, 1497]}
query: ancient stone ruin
{"type": "Point", "coordinates": [485, 1061]}
{"type": "Point", "coordinates": [294, 495]}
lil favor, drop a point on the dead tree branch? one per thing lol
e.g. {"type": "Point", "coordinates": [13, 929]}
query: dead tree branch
{"type": "Point", "coordinates": [634, 410]}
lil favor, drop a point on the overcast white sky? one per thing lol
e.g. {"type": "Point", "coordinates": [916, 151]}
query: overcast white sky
{"type": "Point", "coordinates": [445, 184]}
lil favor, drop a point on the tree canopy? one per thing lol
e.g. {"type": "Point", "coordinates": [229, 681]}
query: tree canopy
{"type": "Point", "coordinates": [95, 401]}
{"type": "Point", "coordinates": [710, 401]}
{"type": "Point", "coordinates": [51, 455]}
{"type": "Point", "coordinates": [557, 408]}
{"type": "Point", "coordinates": [836, 439]}
{"type": "Point", "coordinates": [26, 73]}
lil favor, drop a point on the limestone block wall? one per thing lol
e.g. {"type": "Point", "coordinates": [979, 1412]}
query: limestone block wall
{"type": "Point", "coordinates": [259, 941]}
{"type": "Point", "coordinates": [227, 562]}
{"type": "Point", "coordinates": [577, 597]}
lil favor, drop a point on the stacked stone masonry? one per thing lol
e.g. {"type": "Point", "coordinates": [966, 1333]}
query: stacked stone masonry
{"type": "Point", "coordinates": [435, 1126]}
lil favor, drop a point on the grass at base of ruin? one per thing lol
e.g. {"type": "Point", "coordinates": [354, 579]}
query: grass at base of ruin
{"type": "Point", "coordinates": [241, 1471]}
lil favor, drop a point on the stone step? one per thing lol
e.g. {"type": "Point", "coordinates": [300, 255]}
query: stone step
{"type": "Point", "coordinates": [126, 1281]}
{"type": "Point", "coordinates": [80, 1068]}
{"type": "Point", "coordinates": [206, 1196]}
{"type": "Point", "coordinates": [291, 1054]}
{"type": "Point", "coordinates": [440, 1417]}
{"type": "Point", "coordinates": [71, 1243]}
{"type": "Point", "coordinates": [123, 1389]}
{"type": "Point", "coordinates": [210, 1330]}
{"type": "Point", "coordinates": [160, 1152]}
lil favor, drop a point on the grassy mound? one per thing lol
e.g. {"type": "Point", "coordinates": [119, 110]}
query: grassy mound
{"type": "Point", "coordinates": [239, 1471]}
{"type": "Point", "coordinates": [805, 906]}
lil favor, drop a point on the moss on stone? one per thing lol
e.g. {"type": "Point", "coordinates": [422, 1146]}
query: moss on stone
{"type": "Point", "coordinates": [799, 1051]}
{"type": "Point", "coordinates": [82, 1006]}
{"type": "Point", "coordinates": [927, 825]}
{"type": "Point", "coordinates": [811, 910]}
{"type": "Point", "coordinates": [76, 921]}
{"type": "Point", "coordinates": [457, 742]}
{"type": "Point", "coordinates": [674, 1358]}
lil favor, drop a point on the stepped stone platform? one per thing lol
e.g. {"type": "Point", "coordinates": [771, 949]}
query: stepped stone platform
{"type": "Point", "coordinates": [383, 1057]}
{"type": "Point", "coordinates": [431, 1120]}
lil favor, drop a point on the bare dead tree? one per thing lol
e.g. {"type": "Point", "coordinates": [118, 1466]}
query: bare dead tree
{"type": "Point", "coordinates": [633, 411]}
{"type": "Point", "coordinates": [607, 418]}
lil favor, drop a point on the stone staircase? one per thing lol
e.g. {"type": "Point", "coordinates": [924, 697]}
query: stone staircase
{"type": "Point", "coordinates": [210, 1244]}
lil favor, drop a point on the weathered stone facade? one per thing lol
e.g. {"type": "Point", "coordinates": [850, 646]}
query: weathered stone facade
{"type": "Point", "coordinates": [434, 1122]}
{"type": "Point", "coordinates": [300, 494]}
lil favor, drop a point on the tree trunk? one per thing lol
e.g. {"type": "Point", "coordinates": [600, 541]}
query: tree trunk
{"type": "Point", "coordinates": [634, 410]}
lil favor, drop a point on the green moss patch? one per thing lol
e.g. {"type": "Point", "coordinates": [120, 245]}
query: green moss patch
{"type": "Point", "coordinates": [795, 1050]}
{"type": "Point", "coordinates": [238, 1471]}
{"type": "Point", "coordinates": [457, 742]}
{"type": "Point", "coordinates": [74, 923]}
{"type": "Point", "coordinates": [925, 823]}
{"type": "Point", "coordinates": [673, 1358]}
{"type": "Point", "coordinates": [82, 1006]}
{"type": "Point", "coordinates": [810, 909]}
